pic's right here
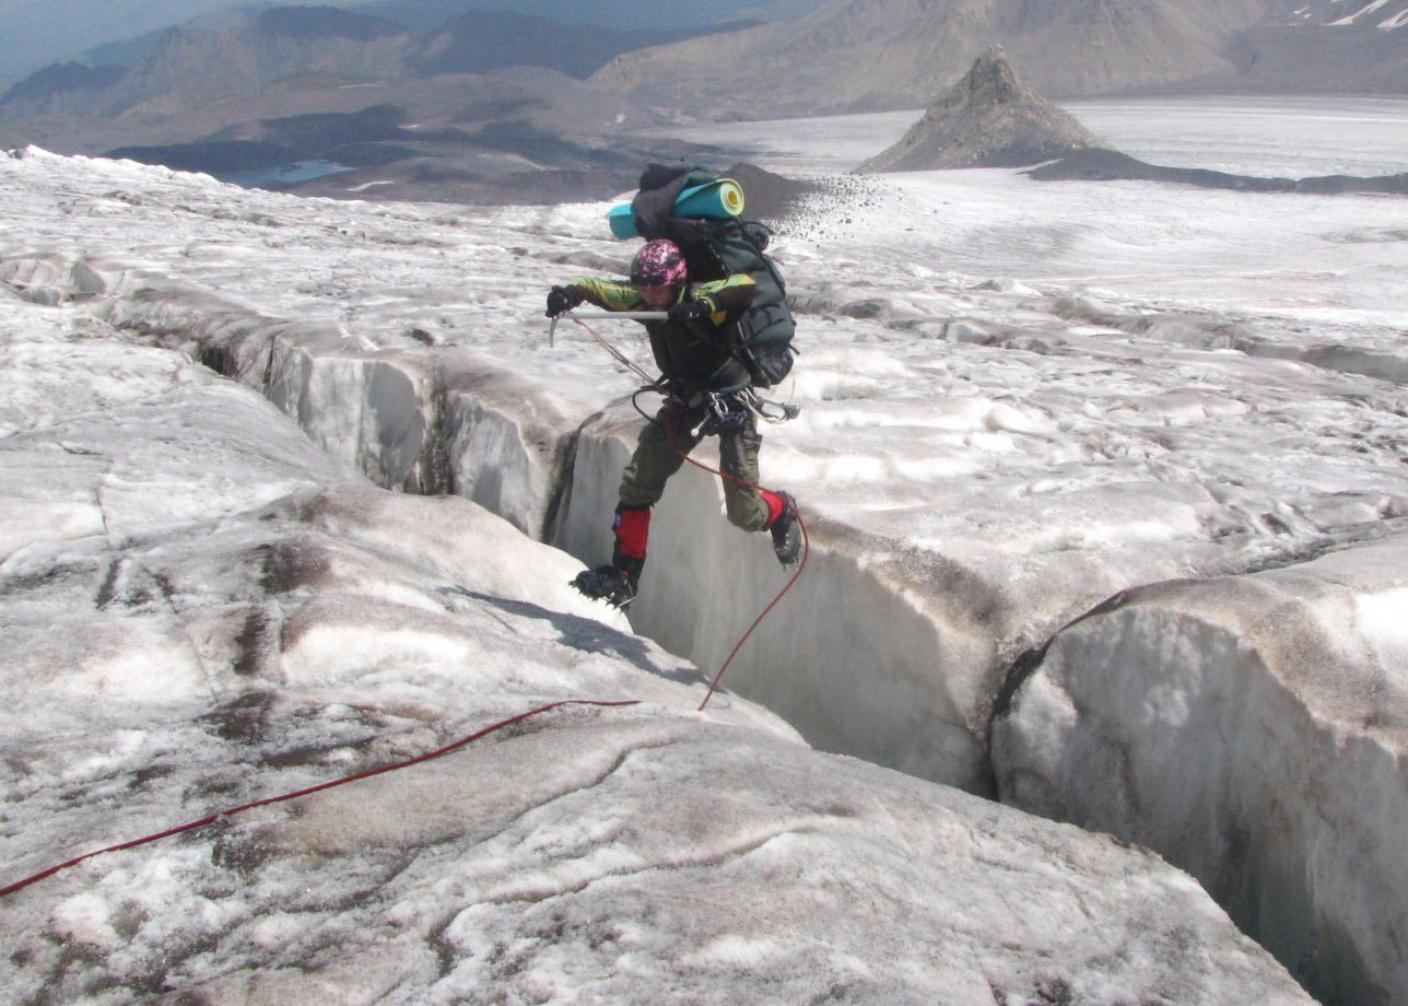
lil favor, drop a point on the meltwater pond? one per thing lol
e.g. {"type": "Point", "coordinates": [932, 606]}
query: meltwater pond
{"type": "Point", "coordinates": [283, 174]}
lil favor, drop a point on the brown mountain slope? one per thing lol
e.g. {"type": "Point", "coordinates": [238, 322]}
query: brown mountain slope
{"type": "Point", "coordinates": [853, 55]}
{"type": "Point", "coordinates": [240, 56]}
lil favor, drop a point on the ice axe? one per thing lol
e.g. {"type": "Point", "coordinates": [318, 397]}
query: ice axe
{"type": "Point", "coordinates": [605, 316]}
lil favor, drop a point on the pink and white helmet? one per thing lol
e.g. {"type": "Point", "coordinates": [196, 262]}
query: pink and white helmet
{"type": "Point", "coordinates": [660, 264]}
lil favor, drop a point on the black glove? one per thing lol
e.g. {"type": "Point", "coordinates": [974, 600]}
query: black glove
{"type": "Point", "coordinates": [564, 298]}
{"type": "Point", "coordinates": [687, 312]}
{"type": "Point", "coordinates": [687, 393]}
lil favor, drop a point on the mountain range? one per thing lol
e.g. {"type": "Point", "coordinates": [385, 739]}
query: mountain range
{"type": "Point", "coordinates": [187, 66]}
{"type": "Point", "coordinates": [39, 32]}
{"type": "Point", "coordinates": [845, 55]}
{"type": "Point", "coordinates": [455, 110]}
{"type": "Point", "coordinates": [856, 55]}
{"type": "Point", "coordinates": [455, 95]}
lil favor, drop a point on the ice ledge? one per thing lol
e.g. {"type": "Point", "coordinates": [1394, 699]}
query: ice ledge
{"type": "Point", "coordinates": [1254, 730]}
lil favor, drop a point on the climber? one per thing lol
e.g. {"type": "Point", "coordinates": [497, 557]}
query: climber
{"type": "Point", "coordinates": [708, 391]}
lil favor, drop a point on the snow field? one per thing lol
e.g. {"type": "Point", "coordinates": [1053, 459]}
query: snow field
{"type": "Point", "coordinates": [981, 460]}
{"type": "Point", "coordinates": [247, 617]}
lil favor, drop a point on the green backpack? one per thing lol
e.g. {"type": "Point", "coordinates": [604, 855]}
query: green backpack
{"type": "Point", "coordinates": [714, 249]}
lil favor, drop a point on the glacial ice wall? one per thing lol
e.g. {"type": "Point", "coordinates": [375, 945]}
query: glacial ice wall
{"type": "Point", "coordinates": [898, 658]}
{"type": "Point", "coordinates": [1255, 731]}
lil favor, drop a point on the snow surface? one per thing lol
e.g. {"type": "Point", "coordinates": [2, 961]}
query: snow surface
{"type": "Point", "coordinates": [202, 609]}
{"type": "Point", "coordinates": [1276, 137]}
{"type": "Point", "coordinates": [1018, 399]}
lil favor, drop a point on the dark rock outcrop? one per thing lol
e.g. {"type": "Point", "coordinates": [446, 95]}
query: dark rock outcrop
{"type": "Point", "coordinates": [989, 119]}
{"type": "Point", "coordinates": [1097, 165]}
{"type": "Point", "coordinates": [769, 197]}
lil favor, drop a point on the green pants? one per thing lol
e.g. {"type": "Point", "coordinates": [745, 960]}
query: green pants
{"type": "Point", "coordinates": [659, 454]}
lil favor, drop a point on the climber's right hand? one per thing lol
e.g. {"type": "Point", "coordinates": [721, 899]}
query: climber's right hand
{"type": "Point", "coordinates": [563, 298]}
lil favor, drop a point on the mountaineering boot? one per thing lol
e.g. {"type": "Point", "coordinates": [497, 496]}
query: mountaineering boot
{"type": "Point", "coordinates": [786, 531]}
{"type": "Point", "coordinates": [606, 583]}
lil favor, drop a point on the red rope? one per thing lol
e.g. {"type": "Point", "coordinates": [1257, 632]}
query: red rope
{"type": "Point", "coordinates": [806, 553]}
{"type": "Point", "coordinates": [212, 818]}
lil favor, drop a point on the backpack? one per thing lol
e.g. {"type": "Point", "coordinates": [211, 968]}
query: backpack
{"type": "Point", "coordinates": [716, 248]}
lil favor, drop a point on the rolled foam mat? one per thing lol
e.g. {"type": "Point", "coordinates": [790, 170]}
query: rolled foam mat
{"type": "Point", "coordinates": [719, 199]}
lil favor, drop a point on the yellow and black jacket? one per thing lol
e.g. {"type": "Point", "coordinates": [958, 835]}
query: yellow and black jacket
{"type": "Point", "coordinates": [700, 356]}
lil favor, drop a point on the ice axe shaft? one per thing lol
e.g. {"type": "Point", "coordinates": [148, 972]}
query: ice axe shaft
{"type": "Point", "coordinates": [637, 315]}
{"type": "Point", "coordinates": [605, 316]}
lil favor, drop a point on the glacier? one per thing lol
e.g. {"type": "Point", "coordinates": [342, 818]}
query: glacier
{"type": "Point", "coordinates": [1058, 452]}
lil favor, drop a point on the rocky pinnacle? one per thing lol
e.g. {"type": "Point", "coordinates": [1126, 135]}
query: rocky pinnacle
{"type": "Point", "coordinates": [988, 119]}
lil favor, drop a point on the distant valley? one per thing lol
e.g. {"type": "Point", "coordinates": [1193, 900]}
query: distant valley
{"type": "Point", "coordinates": [444, 114]}
{"type": "Point", "coordinates": [426, 99]}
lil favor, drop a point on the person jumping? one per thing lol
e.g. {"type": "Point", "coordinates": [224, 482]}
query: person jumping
{"type": "Point", "coordinates": [707, 389]}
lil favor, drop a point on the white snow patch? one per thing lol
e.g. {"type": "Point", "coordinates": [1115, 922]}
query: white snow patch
{"type": "Point", "coordinates": [1369, 8]}
{"type": "Point", "coordinates": [1395, 21]}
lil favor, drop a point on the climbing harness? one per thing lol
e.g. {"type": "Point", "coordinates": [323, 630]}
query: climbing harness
{"type": "Point", "coordinates": [721, 416]}
{"type": "Point", "coordinates": [717, 403]}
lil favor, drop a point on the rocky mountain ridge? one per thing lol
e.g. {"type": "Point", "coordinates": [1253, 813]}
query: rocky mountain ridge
{"type": "Point", "coordinates": [859, 55]}
{"type": "Point", "coordinates": [1385, 15]}
{"type": "Point", "coordinates": [448, 115]}
{"type": "Point", "coordinates": [845, 55]}
{"type": "Point", "coordinates": [249, 53]}
{"type": "Point", "coordinates": [46, 32]}
{"type": "Point", "coordinates": [988, 119]}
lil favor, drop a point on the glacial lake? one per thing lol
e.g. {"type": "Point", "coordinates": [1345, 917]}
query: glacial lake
{"type": "Point", "coordinates": [283, 174]}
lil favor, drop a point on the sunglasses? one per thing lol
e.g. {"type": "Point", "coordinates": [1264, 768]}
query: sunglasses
{"type": "Point", "coordinates": [664, 294]}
